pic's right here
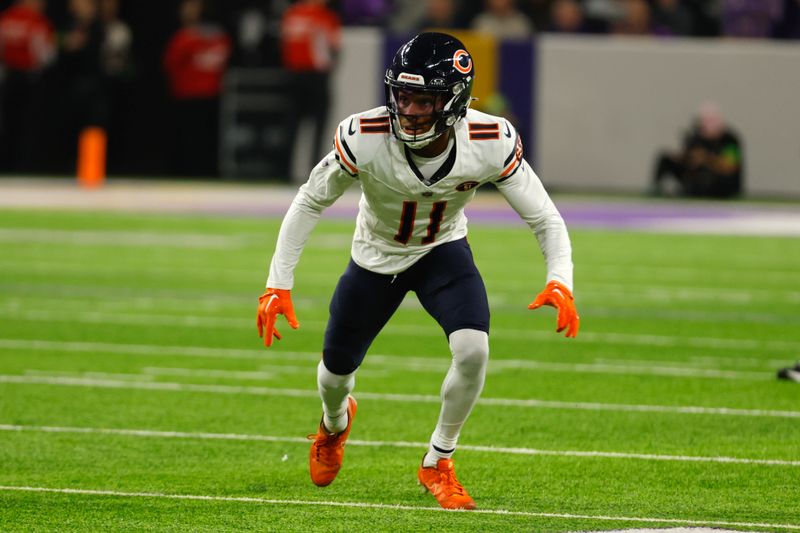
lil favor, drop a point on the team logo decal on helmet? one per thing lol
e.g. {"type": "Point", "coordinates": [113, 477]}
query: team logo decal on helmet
{"type": "Point", "coordinates": [462, 61]}
{"type": "Point", "coordinates": [414, 79]}
{"type": "Point", "coordinates": [438, 67]}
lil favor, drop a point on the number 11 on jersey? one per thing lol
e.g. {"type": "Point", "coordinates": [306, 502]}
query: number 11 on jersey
{"type": "Point", "coordinates": [409, 214]}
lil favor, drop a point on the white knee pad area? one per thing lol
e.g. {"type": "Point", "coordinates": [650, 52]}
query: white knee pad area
{"type": "Point", "coordinates": [470, 349]}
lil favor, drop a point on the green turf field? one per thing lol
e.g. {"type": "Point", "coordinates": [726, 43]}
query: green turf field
{"type": "Point", "coordinates": [135, 394]}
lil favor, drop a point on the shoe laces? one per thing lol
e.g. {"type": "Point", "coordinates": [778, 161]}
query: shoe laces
{"type": "Point", "coordinates": [448, 480]}
{"type": "Point", "coordinates": [325, 445]}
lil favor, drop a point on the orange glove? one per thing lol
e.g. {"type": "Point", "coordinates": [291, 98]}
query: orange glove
{"type": "Point", "coordinates": [272, 303]}
{"type": "Point", "coordinates": [557, 295]}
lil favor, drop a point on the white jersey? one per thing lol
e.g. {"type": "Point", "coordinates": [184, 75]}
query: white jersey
{"type": "Point", "coordinates": [403, 215]}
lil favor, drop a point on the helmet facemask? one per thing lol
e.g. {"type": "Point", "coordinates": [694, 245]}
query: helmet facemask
{"type": "Point", "coordinates": [447, 107]}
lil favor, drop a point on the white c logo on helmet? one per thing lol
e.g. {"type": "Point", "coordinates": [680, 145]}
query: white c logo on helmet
{"type": "Point", "coordinates": [459, 62]}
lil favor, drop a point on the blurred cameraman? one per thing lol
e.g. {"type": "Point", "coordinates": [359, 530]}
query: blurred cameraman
{"type": "Point", "coordinates": [709, 164]}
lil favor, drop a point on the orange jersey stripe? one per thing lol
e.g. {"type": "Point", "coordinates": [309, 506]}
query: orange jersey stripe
{"type": "Point", "coordinates": [517, 158]}
{"type": "Point", "coordinates": [353, 169]}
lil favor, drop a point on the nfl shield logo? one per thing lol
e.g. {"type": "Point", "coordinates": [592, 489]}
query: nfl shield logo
{"type": "Point", "coordinates": [467, 185]}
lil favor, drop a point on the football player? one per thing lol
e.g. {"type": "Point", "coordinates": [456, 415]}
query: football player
{"type": "Point", "coordinates": [418, 160]}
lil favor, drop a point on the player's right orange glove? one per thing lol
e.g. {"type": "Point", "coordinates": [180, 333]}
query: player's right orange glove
{"type": "Point", "coordinates": [272, 303]}
{"type": "Point", "coordinates": [557, 295]}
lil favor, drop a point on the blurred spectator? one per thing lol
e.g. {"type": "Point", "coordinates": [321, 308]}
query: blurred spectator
{"type": "Point", "coordinates": [410, 16]}
{"type": "Point", "coordinates": [539, 11]}
{"type": "Point", "coordinates": [195, 61]}
{"type": "Point", "coordinates": [83, 90]}
{"type": "Point", "coordinates": [27, 47]}
{"type": "Point", "coordinates": [607, 11]}
{"type": "Point", "coordinates": [118, 69]}
{"type": "Point", "coordinates": [750, 18]}
{"type": "Point", "coordinates": [502, 19]}
{"type": "Point", "coordinates": [705, 17]}
{"type": "Point", "coordinates": [569, 16]}
{"type": "Point", "coordinates": [710, 163]}
{"type": "Point", "coordinates": [256, 45]}
{"type": "Point", "coordinates": [790, 26]}
{"type": "Point", "coordinates": [365, 12]}
{"type": "Point", "coordinates": [406, 15]}
{"type": "Point", "coordinates": [635, 19]}
{"type": "Point", "coordinates": [118, 40]}
{"type": "Point", "coordinates": [566, 16]}
{"type": "Point", "coordinates": [671, 17]}
{"type": "Point", "coordinates": [310, 41]}
{"type": "Point", "coordinates": [441, 14]}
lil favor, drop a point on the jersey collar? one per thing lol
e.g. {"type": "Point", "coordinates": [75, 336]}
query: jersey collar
{"type": "Point", "coordinates": [443, 171]}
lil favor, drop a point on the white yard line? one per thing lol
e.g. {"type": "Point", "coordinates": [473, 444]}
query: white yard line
{"type": "Point", "coordinates": [409, 398]}
{"type": "Point", "coordinates": [149, 373]}
{"type": "Point", "coordinates": [112, 303]}
{"type": "Point", "coordinates": [389, 507]}
{"type": "Point", "coordinates": [406, 363]}
{"type": "Point", "coordinates": [154, 350]}
{"type": "Point", "coordinates": [398, 364]}
{"type": "Point", "coordinates": [643, 274]}
{"type": "Point", "coordinates": [736, 292]}
{"type": "Point", "coordinates": [396, 444]}
{"type": "Point", "coordinates": [196, 321]}
{"type": "Point", "coordinates": [121, 238]}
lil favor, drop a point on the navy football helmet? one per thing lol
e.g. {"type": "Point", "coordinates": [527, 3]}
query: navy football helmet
{"type": "Point", "coordinates": [434, 64]}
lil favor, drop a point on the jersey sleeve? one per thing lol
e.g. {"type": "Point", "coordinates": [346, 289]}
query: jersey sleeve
{"type": "Point", "coordinates": [511, 150]}
{"type": "Point", "coordinates": [325, 185]}
{"type": "Point", "coordinates": [343, 146]}
{"type": "Point", "coordinates": [527, 196]}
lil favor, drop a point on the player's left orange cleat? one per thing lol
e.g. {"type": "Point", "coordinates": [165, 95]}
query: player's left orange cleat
{"type": "Point", "coordinates": [327, 450]}
{"type": "Point", "coordinates": [442, 483]}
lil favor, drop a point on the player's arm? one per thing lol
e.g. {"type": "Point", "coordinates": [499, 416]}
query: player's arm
{"type": "Point", "coordinates": [525, 193]}
{"type": "Point", "coordinates": [327, 182]}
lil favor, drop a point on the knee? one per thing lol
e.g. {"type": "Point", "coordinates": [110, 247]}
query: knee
{"type": "Point", "coordinates": [470, 350]}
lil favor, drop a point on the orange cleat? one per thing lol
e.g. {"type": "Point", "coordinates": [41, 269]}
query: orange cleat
{"type": "Point", "coordinates": [327, 450]}
{"type": "Point", "coordinates": [442, 483]}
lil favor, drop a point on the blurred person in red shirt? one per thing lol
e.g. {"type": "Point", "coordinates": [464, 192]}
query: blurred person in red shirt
{"type": "Point", "coordinates": [27, 48]}
{"type": "Point", "coordinates": [310, 42]}
{"type": "Point", "coordinates": [195, 62]}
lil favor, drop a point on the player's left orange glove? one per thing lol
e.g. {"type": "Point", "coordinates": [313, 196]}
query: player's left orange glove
{"type": "Point", "coordinates": [557, 295]}
{"type": "Point", "coordinates": [272, 303]}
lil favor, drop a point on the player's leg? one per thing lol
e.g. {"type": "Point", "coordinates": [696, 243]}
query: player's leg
{"type": "Point", "coordinates": [456, 298]}
{"type": "Point", "coordinates": [460, 390]}
{"type": "Point", "coordinates": [361, 305]}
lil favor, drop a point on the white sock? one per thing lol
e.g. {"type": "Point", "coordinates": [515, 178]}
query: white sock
{"type": "Point", "coordinates": [334, 389]}
{"type": "Point", "coordinates": [460, 391]}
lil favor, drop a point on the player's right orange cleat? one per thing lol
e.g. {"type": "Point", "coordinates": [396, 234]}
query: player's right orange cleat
{"type": "Point", "coordinates": [327, 450]}
{"type": "Point", "coordinates": [442, 483]}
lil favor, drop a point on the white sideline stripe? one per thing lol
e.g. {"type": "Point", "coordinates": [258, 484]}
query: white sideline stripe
{"type": "Point", "coordinates": [398, 444]}
{"type": "Point", "coordinates": [412, 398]}
{"type": "Point", "coordinates": [365, 505]}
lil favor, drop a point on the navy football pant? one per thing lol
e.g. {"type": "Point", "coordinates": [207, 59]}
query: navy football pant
{"type": "Point", "coordinates": [446, 282]}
